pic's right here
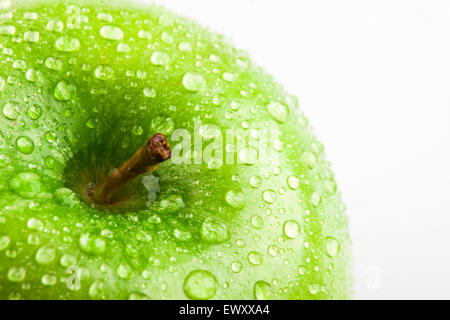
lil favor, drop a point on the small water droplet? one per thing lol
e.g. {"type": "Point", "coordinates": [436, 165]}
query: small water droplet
{"type": "Point", "coordinates": [315, 199]}
{"type": "Point", "coordinates": [278, 111]}
{"type": "Point", "coordinates": [17, 274]}
{"type": "Point", "coordinates": [248, 155]}
{"type": "Point", "coordinates": [66, 197]}
{"type": "Point", "coordinates": [63, 90]}
{"type": "Point", "coordinates": [200, 284]}
{"type": "Point", "coordinates": [45, 255]}
{"type": "Point", "coordinates": [293, 182]}
{"type": "Point", "coordinates": [123, 47]}
{"type": "Point", "coordinates": [185, 47]}
{"type": "Point", "coordinates": [25, 145]}
{"type": "Point", "coordinates": [194, 82]}
{"type": "Point", "coordinates": [235, 199]}
{"type": "Point", "coordinates": [257, 222]}
{"type": "Point", "coordinates": [162, 125]}
{"type": "Point", "coordinates": [4, 242]}
{"type": "Point", "coordinates": [143, 34]}
{"type": "Point", "coordinates": [209, 131]}
{"type": "Point", "coordinates": [111, 32]}
{"type": "Point", "coordinates": [167, 37]}
{"type": "Point", "coordinates": [55, 26]}
{"type": "Point", "coordinates": [35, 224]}
{"type": "Point", "coordinates": [124, 271]}
{"type": "Point", "coordinates": [33, 75]}
{"type": "Point", "coordinates": [104, 72]}
{"type": "Point", "coordinates": [19, 65]}
{"type": "Point", "coordinates": [8, 30]}
{"type": "Point", "coordinates": [255, 258]}
{"type": "Point", "coordinates": [53, 63]}
{"type": "Point", "coordinates": [104, 16]}
{"type": "Point", "coordinates": [269, 196]}
{"type": "Point", "coordinates": [149, 92]}
{"type": "Point", "coordinates": [214, 231]}
{"type": "Point", "coordinates": [291, 229]}
{"type": "Point", "coordinates": [138, 296]}
{"type": "Point", "coordinates": [68, 260]}
{"type": "Point", "coordinates": [236, 266]}
{"type": "Point", "coordinates": [48, 280]}
{"type": "Point", "coordinates": [332, 246]}
{"type": "Point", "coordinates": [92, 244]}
{"type": "Point", "coordinates": [31, 36]}
{"type": "Point", "coordinates": [301, 270]}
{"type": "Point", "coordinates": [255, 181]}
{"type": "Point", "coordinates": [67, 44]}
{"type": "Point", "coordinates": [309, 159]}
{"type": "Point", "coordinates": [262, 290]}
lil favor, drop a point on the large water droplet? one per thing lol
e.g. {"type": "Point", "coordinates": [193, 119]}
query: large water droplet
{"type": "Point", "coordinates": [45, 255]}
{"type": "Point", "coordinates": [278, 111]}
{"type": "Point", "coordinates": [214, 231]}
{"type": "Point", "coordinates": [200, 285]}
{"type": "Point", "coordinates": [194, 82]}
{"type": "Point", "coordinates": [262, 290]}
{"type": "Point", "coordinates": [111, 32]}
{"type": "Point", "coordinates": [291, 229]}
{"type": "Point", "coordinates": [67, 44]}
{"type": "Point", "coordinates": [332, 246]}
{"type": "Point", "coordinates": [25, 145]}
{"type": "Point", "coordinates": [63, 90]}
{"type": "Point", "coordinates": [11, 110]}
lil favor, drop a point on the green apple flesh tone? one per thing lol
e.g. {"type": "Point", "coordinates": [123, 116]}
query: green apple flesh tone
{"type": "Point", "coordinates": [82, 86]}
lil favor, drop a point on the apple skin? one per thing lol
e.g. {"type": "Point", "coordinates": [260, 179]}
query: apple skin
{"type": "Point", "coordinates": [82, 86]}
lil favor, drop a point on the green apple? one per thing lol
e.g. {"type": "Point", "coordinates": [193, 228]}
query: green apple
{"type": "Point", "coordinates": [247, 208]}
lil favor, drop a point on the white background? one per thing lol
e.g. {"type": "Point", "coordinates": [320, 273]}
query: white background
{"type": "Point", "coordinates": [373, 77]}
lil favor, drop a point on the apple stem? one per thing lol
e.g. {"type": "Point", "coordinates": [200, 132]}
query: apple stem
{"type": "Point", "coordinates": [145, 160]}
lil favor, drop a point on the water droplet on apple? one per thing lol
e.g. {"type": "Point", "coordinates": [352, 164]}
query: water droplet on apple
{"type": "Point", "coordinates": [185, 47]}
{"type": "Point", "coordinates": [33, 75]}
{"type": "Point", "coordinates": [11, 110]}
{"type": "Point", "coordinates": [4, 242]}
{"type": "Point", "coordinates": [149, 92]}
{"type": "Point", "coordinates": [138, 296]}
{"type": "Point", "coordinates": [4, 160]}
{"type": "Point", "coordinates": [272, 250]}
{"type": "Point", "coordinates": [30, 15]}
{"type": "Point", "coordinates": [159, 58]}
{"type": "Point", "coordinates": [7, 30]}
{"type": "Point", "coordinates": [35, 224]}
{"type": "Point", "coordinates": [291, 229]}
{"type": "Point", "coordinates": [255, 258]}
{"type": "Point", "coordinates": [228, 76]}
{"type": "Point", "coordinates": [200, 285]}
{"type": "Point", "coordinates": [313, 288]}
{"type": "Point", "coordinates": [255, 181]}
{"type": "Point", "coordinates": [98, 290]}
{"type": "Point", "coordinates": [53, 63]}
{"type": "Point", "coordinates": [137, 130]}
{"type": "Point", "coordinates": [92, 244]}
{"type": "Point", "coordinates": [122, 47]}
{"type": "Point", "coordinates": [45, 255]}
{"type": "Point", "coordinates": [17, 274]}
{"type": "Point", "coordinates": [31, 36]}
{"type": "Point", "coordinates": [257, 222]}
{"type": "Point", "coordinates": [68, 260]}
{"type": "Point", "coordinates": [2, 83]}
{"type": "Point", "coordinates": [301, 270]}
{"type": "Point", "coordinates": [111, 32]}
{"type": "Point", "coordinates": [144, 34]}
{"type": "Point", "coordinates": [262, 290]}
{"type": "Point", "coordinates": [235, 198]}
{"type": "Point", "coordinates": [67, 44]}
{"type": "Point", "coordinates": [55, 26]}
{"type": "Point", "coordinates": [309, 159]}
{"type": "Point", "coordinates": [124, 271]}
{"type": "Point", "coordinates": [48, 280]}
{"type": "Point", "coordinates": [19, 65]}
{"type": "Point", "coordinates": [194, 82]}
{"type": "Point", "coordinates": [104, 17]}
{"type": "Point", "coordinates": [315, 199]}
{"type": "Point", "coordinates": [332, 246]}
{"type": "Point", "coordinates": [4, 4]}
{"type": "Point", "coordinates": [25, 145]}
{"type": "Point", "coordinates": [104, 72]}
{"type": "Point", "coordinates": [269, 196]}
{"type": "Point", "coordinates": [63, 90]}
{"type": "Point", "coordinates": [278, 111]}
{"type": "Point", "coordinates": [167, 37]}
{"type": "Point", "coordinates": [214, 231]}
{"type": "Point", "coordinates": [50, 137]}
{"type": "Point", "coordinates": [293, 182]}
{"type": "Point", "coordinates": [66, 197]}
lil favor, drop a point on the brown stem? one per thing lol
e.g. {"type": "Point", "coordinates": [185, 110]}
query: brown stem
{"type": "Point", "coordinates": [145, 160]}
